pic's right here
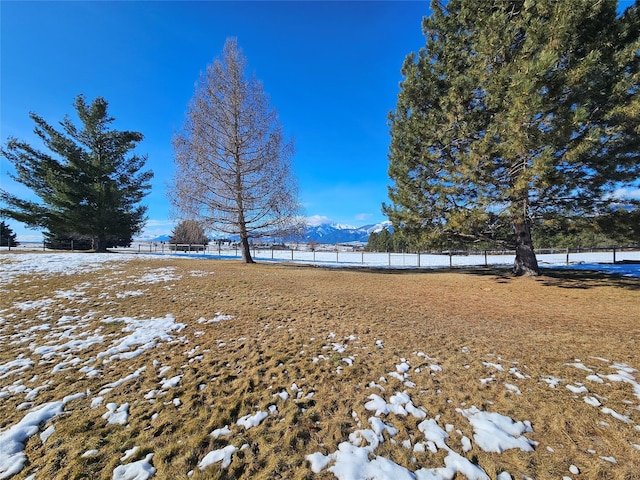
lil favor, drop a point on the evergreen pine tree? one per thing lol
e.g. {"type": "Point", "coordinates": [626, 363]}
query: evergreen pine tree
{"type": "Point", "coordinates": [385, 242]}
{"type": "Point", "coordinates": [514, 111]}
{"type": "Point", "coordinates": [89, 184]}
{"type": "Point", "coordinates": [372, 242]}
{"type": "Point", "coordinates": [7, 237]}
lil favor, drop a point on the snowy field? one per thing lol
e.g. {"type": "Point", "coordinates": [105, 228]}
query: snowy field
{"type": "Point", "coordinates": [41, 332]}
{"type": "Point", "coordinates": [601, 261]}
{"type": "Point", "coordinates": [619, 262]}
{"type": "Point", "coordinates": [597, 261]}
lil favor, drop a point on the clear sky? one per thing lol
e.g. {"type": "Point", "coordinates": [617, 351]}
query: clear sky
{"type": "Point", "coordinates": [331, 69]}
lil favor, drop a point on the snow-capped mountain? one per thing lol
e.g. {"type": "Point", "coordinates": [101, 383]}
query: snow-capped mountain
{"type": "Point", "coordinates": [332, 233]}
{"type": "Point", "coordinates": [327, 233]}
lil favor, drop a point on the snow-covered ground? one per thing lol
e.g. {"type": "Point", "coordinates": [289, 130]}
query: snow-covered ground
{"type": "Point", "coordinates": [357, 457]}
{"type": "Point", "coordinates": [627, 262]}
{"type": "Point", "coordinates": [601, 261]}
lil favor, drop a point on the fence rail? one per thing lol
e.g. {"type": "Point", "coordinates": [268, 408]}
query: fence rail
{"type": "Point", "coordinates": [341, 254]}
{"type": "Point", "coordinates": [348, 255]}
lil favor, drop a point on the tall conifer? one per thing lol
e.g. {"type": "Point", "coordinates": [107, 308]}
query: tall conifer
{"type": "Point", "coordinates": [88, 182]}
{"type": "Point", "coordinates": [514, 111]}
{"type": "Point", "coordinates": [7, 236]}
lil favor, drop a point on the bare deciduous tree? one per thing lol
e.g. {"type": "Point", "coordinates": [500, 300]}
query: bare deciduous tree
{"type": "Point", "coordinates": [233, 164]}
{"type": "Point", "coordinates": [189, 232]}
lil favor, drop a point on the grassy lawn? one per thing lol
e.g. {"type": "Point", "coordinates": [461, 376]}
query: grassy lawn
{"type": "Point", "coordinates": [182, 348]}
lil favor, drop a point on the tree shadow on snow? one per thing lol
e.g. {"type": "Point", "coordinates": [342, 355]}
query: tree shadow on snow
{"type": "Point", "coordinates": [564, 278]}
{"type": "Point", "coordinates": [502, 275]}
{"type": "Point", "coordinates": [552, 277]}
{"type": "Point", "coordinates": [585, 279]}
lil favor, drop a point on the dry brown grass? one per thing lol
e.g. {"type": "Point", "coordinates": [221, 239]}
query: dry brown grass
{"type": "Point", "coordinates": [286, 315]}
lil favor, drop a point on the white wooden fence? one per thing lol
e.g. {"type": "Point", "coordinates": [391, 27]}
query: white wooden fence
{"type": "Point", "coordinates": [348, 255]}
{"type": "Point", "coordinates": [340, 254]}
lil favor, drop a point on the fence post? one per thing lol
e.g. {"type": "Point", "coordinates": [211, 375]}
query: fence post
{"type": "Point", "coordinates": [418, 258]}
{"type": "Point", "coordinates": [567, 255]}
{"type": "Point", "coordinates": [362, 259]}
{"type": "Point", "coordinates": [292, 254]}
{"type": "Point", "coordinates": [614, 254]}
{"type": "Point", "coordinates": [271, 252]}
{"type": "Point", "coordinates": [337, 256]}
{"type": "Point", "coordinates": [389, 260]}
{"type": "Point", "coordinates": [486, 262]}
{"type": "Point", "coordinates": [450, 259]}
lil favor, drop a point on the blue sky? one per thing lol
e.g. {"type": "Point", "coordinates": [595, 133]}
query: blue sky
{"type": "Point", "coordinates": [331, 69]}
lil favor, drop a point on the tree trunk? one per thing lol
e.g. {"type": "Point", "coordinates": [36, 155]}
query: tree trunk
{"type": "Point", "coordinates": [525, 263]}
{"type": "Point", "coordinates": [99, 244]}
{"type": "Point", "coordinates": [246, 250]}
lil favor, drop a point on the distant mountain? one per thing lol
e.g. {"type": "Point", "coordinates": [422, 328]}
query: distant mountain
{"type": "Point", "coordinates": [333, 233]}
{"type": "Point", "coordinates": [149, 238]}
{"type": "Point", "coordinates": [327, 233]}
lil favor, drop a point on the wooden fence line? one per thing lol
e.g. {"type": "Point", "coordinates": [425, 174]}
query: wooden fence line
{"type": "Point", "coordinates": [341, 253]}
{"type": "Point", "coordinates": [401, 259]}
